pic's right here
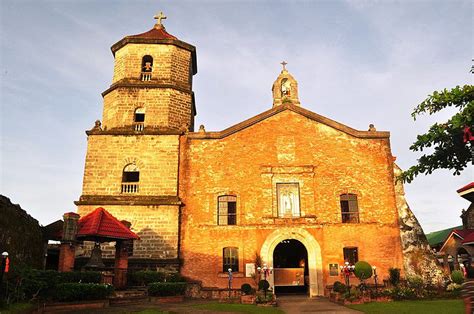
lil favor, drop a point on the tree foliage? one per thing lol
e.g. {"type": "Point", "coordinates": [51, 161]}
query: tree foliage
{"type": "Point", "coordinates": [447, 139]}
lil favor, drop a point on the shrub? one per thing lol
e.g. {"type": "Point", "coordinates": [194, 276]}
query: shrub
{"type": "Point", "coordinates": [161, 289]}
{"type": "Point", "coordinates": [246, 288]}
{"type": "Point", "coordinates": [453, 287]}
{"type": "Point", "coordinates": [394, 276]}
{"type": "Point", "coordinates": [339, 287]}
{"type": "Point", "coordinates": [146, 277]}
{"type": "Point", "coordinates": [80, 276]}
{"type": "Point", "coordinates": [82, 291]}
{"type": "Point", "coordinates": [363, 270]}
{"type": "Point", "coordinates": [174, 277]}
{"type": "Point", "coordinates": [403, 293]}
{"type": "Point", "coordinates": [457, 277]}
{"type": "Point", "coordinates": [417, 283]}
{"type": "Point", "coordinates": [263, 285]}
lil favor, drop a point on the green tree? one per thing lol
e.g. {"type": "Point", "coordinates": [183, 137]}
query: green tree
{"type": "Point", "coordinates": [449, 150]}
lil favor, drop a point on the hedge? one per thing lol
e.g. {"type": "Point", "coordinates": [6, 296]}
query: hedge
{"type": "Point", "coordinates": [82, 291]}
{"type": "Point", "coordinates": [27, 283]}
{"type": "Point", "coordinates": [162, 289]}
{"type": "Point", "coordinates": [146, 277]}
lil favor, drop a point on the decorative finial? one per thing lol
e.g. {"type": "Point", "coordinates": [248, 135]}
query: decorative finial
{"type": "Point", "coordinates": [159, 17]}
{"type": "Point", "coordinates": [284, 63]}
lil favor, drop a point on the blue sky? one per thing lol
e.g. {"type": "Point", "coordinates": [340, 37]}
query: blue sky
{"type": "Point", "coordinates": [357, 62]}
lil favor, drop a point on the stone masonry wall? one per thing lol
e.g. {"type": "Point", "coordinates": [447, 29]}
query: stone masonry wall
{"type": "Point", "coordinates": [20, 235]}
{"type": "Point", "coordinates": [155, 156]}
{"type": "Point", "coordinates": [286, 147]}
{"type": "Point", "coordinates": [164, 107]}
{"type": "Point", "coordinates": [171, 64]}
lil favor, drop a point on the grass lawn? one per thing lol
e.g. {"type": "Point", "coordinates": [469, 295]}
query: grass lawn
{"type": "Point", "coordinates": [17, 308]}
{"type": "Point", "coordinates": [418, 307]}
{"type": "Point", "coordinates": [240, 308]}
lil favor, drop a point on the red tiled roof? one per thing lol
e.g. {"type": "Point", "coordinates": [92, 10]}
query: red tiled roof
{"type": "Point", "coordinates": [463, 233]}
{"type": "Point", "coordinates": [469, 238]}
{"type": "Point", "coordinates": [467, 187]}
{"type": "Point", "coordinates": [101, 224]}
{"type": "Point", "coordinates": [154, 33]}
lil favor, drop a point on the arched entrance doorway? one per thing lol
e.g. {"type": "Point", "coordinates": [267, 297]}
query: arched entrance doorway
{"type": "Point", "coordinates": [314, 260]}
{"type": "Point", "coordinates": [290, 262]}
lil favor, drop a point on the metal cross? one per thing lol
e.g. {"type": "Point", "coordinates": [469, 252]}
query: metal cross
{"type": "Point", "coordinates": [284, 64]}
{"type": "Point", "coordinates": [160, 17]}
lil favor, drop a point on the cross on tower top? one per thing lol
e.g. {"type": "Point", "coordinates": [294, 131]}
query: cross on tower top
{"type": "Point", "coordinates": [284, 63]}
{"type": "Point", "coordinates": [159, 17]}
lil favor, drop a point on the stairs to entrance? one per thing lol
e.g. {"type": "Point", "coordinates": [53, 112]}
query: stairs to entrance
{"type": "Point", "coordinates": [129, 297]}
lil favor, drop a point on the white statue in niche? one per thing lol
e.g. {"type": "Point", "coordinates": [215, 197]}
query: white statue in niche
{"type": "Point", "coordinates": [285, 88]}
{"type": "Point", "coordinates": [288, 200]}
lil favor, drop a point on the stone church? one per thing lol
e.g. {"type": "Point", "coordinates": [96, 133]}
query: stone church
{"type": "Point", "coordinates": [288, 188]}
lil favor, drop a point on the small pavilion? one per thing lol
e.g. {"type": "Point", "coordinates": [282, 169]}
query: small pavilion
{"type": "Point", "coordinates": [98, 226]}
{"type": "Point", "coordinates": [458, 248]}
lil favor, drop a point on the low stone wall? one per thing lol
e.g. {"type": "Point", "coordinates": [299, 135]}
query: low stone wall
{"type": "Point", "coordinates": [196, 291]}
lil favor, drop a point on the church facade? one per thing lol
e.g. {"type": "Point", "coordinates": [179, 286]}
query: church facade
{"type": "Point", "coordinates": [288, 188]}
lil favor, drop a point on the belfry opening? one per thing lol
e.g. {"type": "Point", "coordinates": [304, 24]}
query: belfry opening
{"type": "Point", "coordinates": [290, 262]}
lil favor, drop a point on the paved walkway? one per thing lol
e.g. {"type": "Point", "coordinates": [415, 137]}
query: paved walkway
{"type": "Point", "coordinates": [302, 304]}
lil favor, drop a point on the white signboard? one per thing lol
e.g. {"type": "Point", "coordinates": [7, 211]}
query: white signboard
{"type": "Point", "coordinates": [249, 269]}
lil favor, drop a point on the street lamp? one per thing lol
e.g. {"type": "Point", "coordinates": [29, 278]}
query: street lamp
{"type": "Point", "coordinates": [266, 272]}
{"type": "Point", "coordinates": [346, 270]}
{"type": "Point", "coordinates": [374, 269]}
{"type": "Point", "coordinates": [229, 271]}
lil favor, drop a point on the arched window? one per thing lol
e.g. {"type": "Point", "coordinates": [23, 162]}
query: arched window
{"type": "Point", "coordinates": [130, 179]}
{"type": "Point", "coordinates": [227, 210]}
{"type": "Point", "coordinates": [349, 208]}
{"type": "Point", "coordinates": [147, 68]}
{"type": "Point", "coordinates": [230, 259]}
{"type": "Point", "coordinates": [139, 119]}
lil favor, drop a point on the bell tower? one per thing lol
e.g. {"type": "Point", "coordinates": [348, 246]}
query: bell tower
{"type": "Point", "coordinates": [152, 83]}
{"type": "Point", "coordinates": [132, 160]}
{"type": "Point", "coordinates": [285, 88]}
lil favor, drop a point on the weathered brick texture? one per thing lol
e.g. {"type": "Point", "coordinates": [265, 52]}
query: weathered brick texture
{"type": "Point", "coordinates": [286, 147]}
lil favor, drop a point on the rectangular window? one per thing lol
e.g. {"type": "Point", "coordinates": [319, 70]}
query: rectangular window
{"type": "Point", "coordinates": [349, 208]}
{"type": "Point", "coordinates": [351, 255]}
{"type": "Point", "coordinates": [230, 259]}
{"type": "Point", "coordinates": [227, 210]}
{"type": "Point", "coordinates": [288, 199]}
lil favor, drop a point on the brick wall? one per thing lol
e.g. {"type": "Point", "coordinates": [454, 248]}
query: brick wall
{"type": "Point", "coordinates": [287, 147]}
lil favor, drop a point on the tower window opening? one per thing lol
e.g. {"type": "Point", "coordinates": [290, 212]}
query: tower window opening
{"type": "Point", "coordinates": [147, 68]}
{"type": "Point", "coordinates": [139, 119]}
{"type": "Point", "coordinates": [130, 179]}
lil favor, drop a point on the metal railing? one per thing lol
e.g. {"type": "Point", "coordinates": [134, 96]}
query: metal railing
{"type": "Point", "coordinates": [138, 126]}
{"type": "Point", "coordinates": [146, 76]}
{"type": "Point", "coordinates": [129, 188]}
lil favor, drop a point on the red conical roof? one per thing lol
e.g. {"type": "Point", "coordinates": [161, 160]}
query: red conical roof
{"type": "Point", "coordinates": [100, 225]}
{"type": "Point", "coordinates": [154, 33]}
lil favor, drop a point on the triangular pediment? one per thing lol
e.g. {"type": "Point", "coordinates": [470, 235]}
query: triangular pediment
{"type": "Point", "coordinates": [296, 109]}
